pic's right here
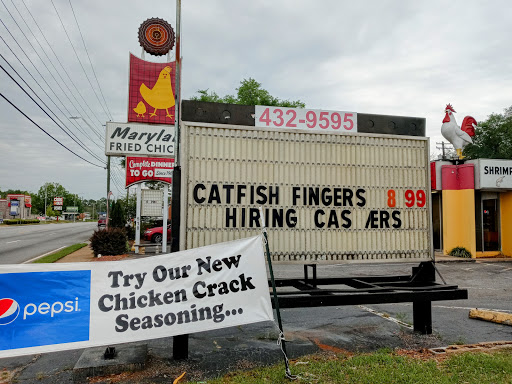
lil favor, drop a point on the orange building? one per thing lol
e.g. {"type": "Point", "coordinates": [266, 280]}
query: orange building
{"type": "Point", "coordinates": [472, 206]}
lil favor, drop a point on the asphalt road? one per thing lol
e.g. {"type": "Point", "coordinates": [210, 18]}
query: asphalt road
{"type": "Point", "coordinates": [21, 243]}
{"type": "Point", "coordinates": [352, 328]}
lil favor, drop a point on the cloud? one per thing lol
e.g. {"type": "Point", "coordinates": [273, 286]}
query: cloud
{"type": "Point", "coordinates": [389, 57]}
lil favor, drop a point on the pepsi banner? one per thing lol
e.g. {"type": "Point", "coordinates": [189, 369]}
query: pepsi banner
{"type": "Point", "coordinates": [55, 307]}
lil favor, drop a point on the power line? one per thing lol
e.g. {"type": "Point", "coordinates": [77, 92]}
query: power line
{"type": "Point", "coordinates": [31, 98]}
{"type": "Point", "coordinates": [37, 125]}
{"type": "Point", "coordinates": [58, 60]}
{"type": "Point", "coordinates": [51, 74]}
{"type": "Point", "coordinates": [42, 101]}
{"type": "Point", "coordinates": [35, 67]}
{"type": "Point", "coordinates": [76, 54]}
{"type": "Point", "coordinates": [23, 65]}
{"type": "Point", "coordinates": [90, 62]}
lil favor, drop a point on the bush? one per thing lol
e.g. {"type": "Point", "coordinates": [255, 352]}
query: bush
{"type": "Point", "coordinates": [21, 221]}
{"type": "Point", "coordinates": [111, 241]}
{"type": "Point", "coordinates": [460, 252]}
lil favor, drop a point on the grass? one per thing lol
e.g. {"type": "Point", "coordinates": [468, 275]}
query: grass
{"type": "Point", "coordinates": [384, 367]}
{"type": "Point", "coordinates": [52, 258]}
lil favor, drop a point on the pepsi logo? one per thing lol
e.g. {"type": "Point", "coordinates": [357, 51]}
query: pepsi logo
{"type": "Point", "coordinates": [9, 311]}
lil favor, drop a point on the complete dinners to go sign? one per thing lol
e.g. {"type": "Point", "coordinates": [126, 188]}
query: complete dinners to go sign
{"type": "Point", "coordinates": [305, 119]}
{"type": "Point", "coordinates": [140, 169]}
{"type": "Point", "coordinates": [55, 307]}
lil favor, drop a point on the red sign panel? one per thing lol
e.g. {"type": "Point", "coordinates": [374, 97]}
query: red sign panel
{"type": "Point", "coordinates": [58, 201]}
{"type": "Point", "coordinates": [151, 92]}
{"type": "Point", "coordinates": [140, 169]}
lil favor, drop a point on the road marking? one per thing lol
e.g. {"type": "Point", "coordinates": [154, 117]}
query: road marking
{"type": "Point", "coordinates": [385, 316]}
{"type": "Point", "coordinates": [14, 241]}
{"type": "Point", "coordinates": [38, 257]}
{"type": "Point", "coordinates": [455, 307]}
{"type": "Point", "coordinates": [484, 309]}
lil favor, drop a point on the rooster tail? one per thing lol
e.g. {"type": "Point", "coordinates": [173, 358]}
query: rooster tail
{"type": "Point", "coordinates": [467, 125]}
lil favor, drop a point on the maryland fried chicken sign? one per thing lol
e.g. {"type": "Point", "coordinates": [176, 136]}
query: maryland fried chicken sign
{"type": "Point", "coordinates": [151, 92]}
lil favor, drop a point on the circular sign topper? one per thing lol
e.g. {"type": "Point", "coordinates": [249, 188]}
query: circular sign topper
{"type": "Point", "coordinates": [156, 36]}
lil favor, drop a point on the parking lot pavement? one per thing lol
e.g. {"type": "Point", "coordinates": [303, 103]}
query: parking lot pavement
{"type": "Point", "coordinates": [349, 328]}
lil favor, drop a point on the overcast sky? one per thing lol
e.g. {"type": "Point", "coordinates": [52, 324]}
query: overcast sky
{"type": "Point", "coordinates": [406, 58]}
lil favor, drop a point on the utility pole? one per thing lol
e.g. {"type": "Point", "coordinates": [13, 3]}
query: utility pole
{"type": "Point", "coordinates": [108, 188]}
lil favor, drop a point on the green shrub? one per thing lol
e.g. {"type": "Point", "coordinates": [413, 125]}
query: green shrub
{"type": "Point", "coordinates": [111, 241]}
{"type": "Point", "coordinates": [460, 252]}
{"type": "Point", "coordinates": [21, 221]}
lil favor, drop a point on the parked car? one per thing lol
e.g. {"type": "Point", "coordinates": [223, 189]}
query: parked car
{"type": "Point", "coordinates": [155, 234]}
{"type": "Point", "coordinates": [102, 222]}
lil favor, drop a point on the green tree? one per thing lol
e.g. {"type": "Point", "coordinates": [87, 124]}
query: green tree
{"type": "Point", "coordinates": [49, 190]}
{"type": "Point", "coordinates": [493, 138]}
{"type": "Point", "coordinates": [249, 93]}
{"type": "Point", "coordinates": [117, 217]}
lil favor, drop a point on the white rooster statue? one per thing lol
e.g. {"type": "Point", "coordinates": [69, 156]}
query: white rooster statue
{"type": "Point", "coordinates": [458, 136]}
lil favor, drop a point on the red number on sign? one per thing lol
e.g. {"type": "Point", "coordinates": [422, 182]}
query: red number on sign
{"type": "Point", "coordinates": [311, 118]}
{"type": "Point", "coordinates": [391, 198]}
{"type": "Point", "coordinates": [409, 198]}
{"type": "Point", "coordinates": [420, 196]}
{"type": "Point", "coordinates": [347, 120]}
{"type": "Point", "coordinates": [279, 113]}
{"type": "Point", "coordinates": [323, 117]}
{"type": "Point", "coordinates": [265, 117]}
{"type": "Point", "coordinates": [290, 122]}
{"type": "Point", "coordinates": [336, 120]}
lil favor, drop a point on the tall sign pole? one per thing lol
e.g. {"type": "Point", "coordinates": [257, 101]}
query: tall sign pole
{"type": "Point", "coordinates": [180, 342]}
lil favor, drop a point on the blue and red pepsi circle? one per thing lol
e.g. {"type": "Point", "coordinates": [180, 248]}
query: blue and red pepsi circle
{"type": "Point", "coordinates": [9, 311]}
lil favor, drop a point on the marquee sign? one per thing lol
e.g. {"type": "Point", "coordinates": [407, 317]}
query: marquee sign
{"type": "Point", "coordinates": [126, 139]}
{"type": "Point", "coordinates": [78, 305]}
{"type": "Point", "coordinates": [139, 169]}
{"type": "Point", "coordinates": [327, 198]}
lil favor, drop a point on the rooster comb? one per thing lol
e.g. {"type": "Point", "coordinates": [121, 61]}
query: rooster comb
{"type": "Point", "coordinates": [449, 106]}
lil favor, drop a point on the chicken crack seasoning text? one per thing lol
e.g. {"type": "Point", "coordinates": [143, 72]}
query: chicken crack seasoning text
{"type": "Point", "coordinates": [161, 142]}
{"type": "Point", "coordinates": [249, 217]}
{"type": "Point", "coordinates": [153, 298]}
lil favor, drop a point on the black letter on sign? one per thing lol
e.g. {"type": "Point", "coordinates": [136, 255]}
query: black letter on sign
{"type": "Point", "coordinates": [372, 220]}
{"type": "Point", "coordinates": [318, 224]}
{"type": "Point", "coordinates": [360, 195]}
{"type": "Point", "coordinates": [396, 216]}
{"type": "Point", "coordinates": [197, 199]}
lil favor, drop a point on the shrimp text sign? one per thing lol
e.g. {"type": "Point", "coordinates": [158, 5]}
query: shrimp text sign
{"type": "Point", "coordinates": [140, 169]}
{"type": "Point", "coordinates": [327, 197]}
{"type": "Point", "coordinates": [68, 306]}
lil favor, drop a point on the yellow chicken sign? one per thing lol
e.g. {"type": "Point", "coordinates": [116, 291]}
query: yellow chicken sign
{"type": "Point", "coordinates": [151, 92]}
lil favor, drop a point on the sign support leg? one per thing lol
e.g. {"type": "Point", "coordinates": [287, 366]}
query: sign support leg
{"type": "Point", "coordinates": [165, 218]}
{"type": "Point", "coordinates": [137, 218]}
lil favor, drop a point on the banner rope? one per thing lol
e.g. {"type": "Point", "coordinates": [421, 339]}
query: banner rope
{"type": "Point", "coordinates": [281, 341]}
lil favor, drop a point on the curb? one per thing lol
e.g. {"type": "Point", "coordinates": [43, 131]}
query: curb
{"type": "Point", "coordinates": [492, 316]}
